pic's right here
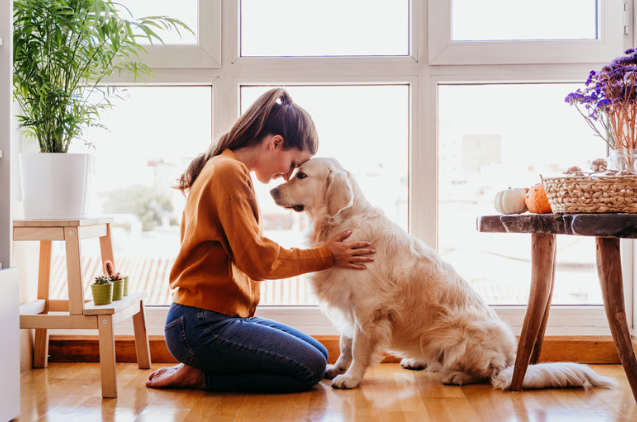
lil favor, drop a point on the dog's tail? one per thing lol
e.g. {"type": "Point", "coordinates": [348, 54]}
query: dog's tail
{"type": "Point", "coordinates": [555, 374]}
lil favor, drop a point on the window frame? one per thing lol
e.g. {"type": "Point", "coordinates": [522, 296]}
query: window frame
{"type": "Point", "coordinates": [233, 14]}
{"type": "Point", "coordinates": [205, 54]}
{"type": "Point", "coordinates": [423, 76]}
{"type": "Point", "coordinates": [444, 51]}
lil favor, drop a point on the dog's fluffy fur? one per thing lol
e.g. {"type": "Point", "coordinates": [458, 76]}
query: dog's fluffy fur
{"type": "Point", "coordinates": [408, 302]}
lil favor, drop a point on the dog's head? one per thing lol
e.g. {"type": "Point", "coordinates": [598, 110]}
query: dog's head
{"type": "Point", "coordinates": [319, 184]}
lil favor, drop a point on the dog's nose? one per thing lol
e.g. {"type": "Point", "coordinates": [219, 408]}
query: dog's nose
{"type": "Point", "coordinates": [274, 193]}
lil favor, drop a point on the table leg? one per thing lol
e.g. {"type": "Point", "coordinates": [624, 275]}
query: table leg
{"type": "Point", "coordinates": [610, 279]}
{"type": "Point", "coordinates": [41, 342]}
{"type": "Point", "coordinates": [107, 355]}
{"type": "Point", "coordinates": [537, 348]}
{"type": "Point", "coordinates": [141, 338]}
{"type": "Point", "coordinates": [542, 273]}
{"type": "Point", "coordinates": [74, 270]}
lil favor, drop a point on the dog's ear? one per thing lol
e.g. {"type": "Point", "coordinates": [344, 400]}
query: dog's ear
{"type": "Point", "coordinates": [339, 193]}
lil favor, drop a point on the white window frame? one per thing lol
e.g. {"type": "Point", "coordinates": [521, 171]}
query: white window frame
{"type": "Point", "coordinates": [232, 15]}
{"type": "Point", "coordinates": [614, 14]}
{"type": "Point", "coordinates": [207, 52]}
{"type": "Point", "coordinates": [423, 79]}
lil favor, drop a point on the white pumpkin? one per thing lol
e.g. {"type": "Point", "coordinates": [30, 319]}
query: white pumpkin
{"type": "Point", "coordinates": [511, 201]}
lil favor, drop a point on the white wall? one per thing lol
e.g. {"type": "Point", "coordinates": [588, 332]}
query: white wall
{"type": "Point", "coordinates": [5, 131]}
{"type": "Point", "coordinates": [10, 350]}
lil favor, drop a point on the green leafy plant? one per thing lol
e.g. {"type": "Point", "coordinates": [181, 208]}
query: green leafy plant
{"type": "Point", "coordinates": [102, 279]}
{"type": "Point", "coordinates": [62, 50]}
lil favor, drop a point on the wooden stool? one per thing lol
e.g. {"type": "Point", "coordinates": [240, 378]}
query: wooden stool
{"type": "Point", "coordinates": [75, 313]}
{"type": "Point", "coordinates": [607, 230]}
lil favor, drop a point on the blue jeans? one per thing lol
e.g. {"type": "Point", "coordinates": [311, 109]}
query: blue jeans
{"type": "Point", "coordinates": [244, 354]}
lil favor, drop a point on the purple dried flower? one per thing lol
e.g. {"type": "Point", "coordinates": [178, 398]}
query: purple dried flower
{"type": "Point", "coordinates": [622, 61]}
{"type": "Point", "coordinates": [609, 101]}
{"type": "Point", "coordinates": [603, 103]}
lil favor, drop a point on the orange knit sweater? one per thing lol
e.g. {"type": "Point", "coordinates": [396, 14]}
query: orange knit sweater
{"type": "Point", "coordinates": [223, 253]}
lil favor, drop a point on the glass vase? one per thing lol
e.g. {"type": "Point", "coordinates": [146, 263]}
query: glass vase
{"type": "Point", "coordinates": [623, 160]}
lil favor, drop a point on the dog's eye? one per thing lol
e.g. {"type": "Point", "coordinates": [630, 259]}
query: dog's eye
{"type": "Point", "coordinates": [301, 175]}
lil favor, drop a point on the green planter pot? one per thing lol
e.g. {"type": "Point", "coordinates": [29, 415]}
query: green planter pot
{"type": "Point", "coordinates": [102, 293]}
{"type": "Point", "coordinates": [125, 285]}
{"type": "Point", "coordinates": [118, 289]}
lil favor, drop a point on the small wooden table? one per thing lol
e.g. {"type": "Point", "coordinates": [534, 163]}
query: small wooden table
{"type": "Point", "coordinates": [607, 230]}
{"type": "Point", "coordinates": [76, 313]}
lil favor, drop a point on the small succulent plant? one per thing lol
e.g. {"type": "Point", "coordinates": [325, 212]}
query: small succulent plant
{"type": "Point", "coordinates": [102, 279]}
{"type": "Point", "coordinates": [110, 270]}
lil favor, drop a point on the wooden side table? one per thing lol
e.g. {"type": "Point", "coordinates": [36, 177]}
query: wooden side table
{"type": "Point", "coordinates": [607, 230]}
{"type": "Point", "coordinates": [76, 313]}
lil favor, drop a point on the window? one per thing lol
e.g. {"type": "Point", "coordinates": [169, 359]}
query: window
{"type": "Point", "coordinates": [376, 155]}
{"type": "Point", "coordinates": [302, 28]}
{"type": "Point", "coordinates": [506, 20]}
{"type": "Point", "coordinates": [184, 10]}
{"type": "Point", "coordinates": [507, 32]}
{"type": "Point", "coordinates": [486, 145]}
{"type": "Point", "coordinates": [147, 212]}
{"type": "Point", "coordinates": [428, 116]}
{"type": "Point", "coordinates": [153, 134]}
{"type": "Point", "coordinates": [183, 50]}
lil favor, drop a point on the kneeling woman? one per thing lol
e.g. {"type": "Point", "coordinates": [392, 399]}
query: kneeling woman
{"type": "Point", "coordinates": [211, 328]}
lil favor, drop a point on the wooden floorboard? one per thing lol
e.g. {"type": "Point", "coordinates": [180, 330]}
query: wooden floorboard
{"type": "Point", "coordinates": [69, 392]}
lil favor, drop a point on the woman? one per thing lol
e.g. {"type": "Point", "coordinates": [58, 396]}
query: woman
{"type": "Point", "coordinates": [210, 327]}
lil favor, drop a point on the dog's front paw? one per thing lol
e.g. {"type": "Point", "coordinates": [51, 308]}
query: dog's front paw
{"type": "Point", "coordinates": [453, 378]}
{"type": "Point", "coordinates": [345, 381]}
{"type": "Point", "coordinates": [459, 378]}
{"type": "Point", "coordinates": [412, 364]}
{"type": "Point", "coordinates": [333, 371]}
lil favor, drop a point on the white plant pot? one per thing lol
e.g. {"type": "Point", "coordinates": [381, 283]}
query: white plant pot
{"type": "Point", "coordinates": [55, 186]}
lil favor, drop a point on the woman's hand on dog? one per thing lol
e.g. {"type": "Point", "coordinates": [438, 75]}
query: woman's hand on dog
{"type": "Point", "coordinates": [350, 254]}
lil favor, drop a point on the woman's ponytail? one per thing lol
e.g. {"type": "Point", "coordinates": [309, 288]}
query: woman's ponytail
{"type": "Point", "coordinates": [273, 113]}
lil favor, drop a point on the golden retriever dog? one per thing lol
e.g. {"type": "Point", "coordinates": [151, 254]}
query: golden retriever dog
{"type": "Point", "coordinates": [408, 302]}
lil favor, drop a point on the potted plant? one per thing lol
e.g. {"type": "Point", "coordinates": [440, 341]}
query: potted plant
{"type": "Point", "coordinates": [62, 51]}
{"type": "Point", "coordinates": [102, 289]}
{"type": "Point", "coordinates": [119, 282]}
{"type": "Point", "coordinates": [609, 104]}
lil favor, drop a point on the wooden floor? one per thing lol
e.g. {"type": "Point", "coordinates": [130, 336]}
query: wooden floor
{"type": "Point", "coordinates": [71, 392]}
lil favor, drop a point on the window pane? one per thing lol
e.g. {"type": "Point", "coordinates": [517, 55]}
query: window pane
{"type": "Point", "coordinates": [376, 155]}
{"type": "Point", "coordinates": [324, 28]}
{"type": "Point", "coordinates": [500, 20]}
{"type": "Point", "coordinates": [154, 133]}
{"type": "Point", "coordinates": [184, 10]}
{"type": "Point", "coordinates": [498, 136]}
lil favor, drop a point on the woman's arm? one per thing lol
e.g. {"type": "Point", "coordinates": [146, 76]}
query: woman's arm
{"type": "Point", "coordinates": [259, 257]}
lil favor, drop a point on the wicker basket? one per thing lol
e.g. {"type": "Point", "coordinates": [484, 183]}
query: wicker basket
{"type": "Point", "coordinates": [597, 193]}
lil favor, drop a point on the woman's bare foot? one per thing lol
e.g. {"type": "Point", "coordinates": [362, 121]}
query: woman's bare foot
{"type": "Point", "coordinates": [178, 376]}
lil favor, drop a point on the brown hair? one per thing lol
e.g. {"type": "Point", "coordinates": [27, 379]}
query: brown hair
{"type": "Point", "coordinates": [273, 113]}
